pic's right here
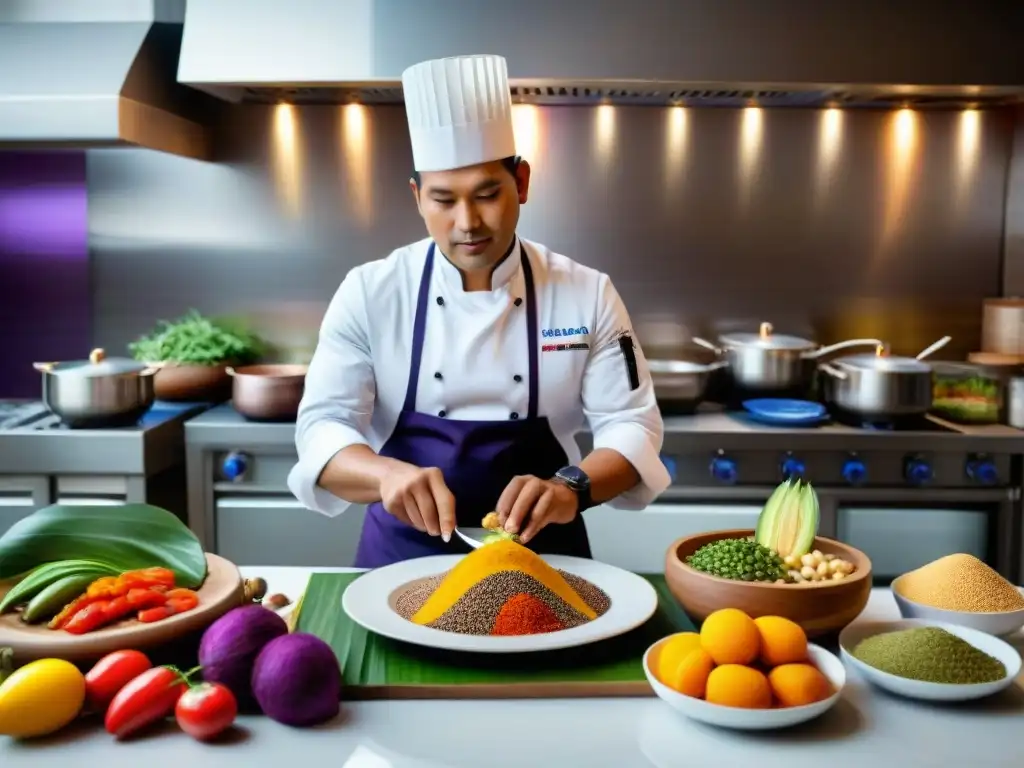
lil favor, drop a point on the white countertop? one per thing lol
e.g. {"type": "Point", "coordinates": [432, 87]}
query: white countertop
{"type": "Point", "coordinates": [866, 727]}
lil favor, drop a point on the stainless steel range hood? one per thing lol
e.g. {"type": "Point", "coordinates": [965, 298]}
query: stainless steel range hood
{"type": "Point", "coordinates": [872, 53]}
{"type": "Point", "coordinates": [90, 74]}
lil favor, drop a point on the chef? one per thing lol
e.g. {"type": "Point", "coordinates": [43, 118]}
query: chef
{"type": "Point", "coordinates": [450, 377]}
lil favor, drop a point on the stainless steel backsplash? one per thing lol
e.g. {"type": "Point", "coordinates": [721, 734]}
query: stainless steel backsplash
{"type": "Point", "coordinates": [826, 223]}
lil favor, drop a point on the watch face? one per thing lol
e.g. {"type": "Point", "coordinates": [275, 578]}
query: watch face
{"type": "Point", "coordinates": [574, 475]}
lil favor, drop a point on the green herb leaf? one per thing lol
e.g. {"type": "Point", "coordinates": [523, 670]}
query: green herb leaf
{"type": "Point", "coordinates": [126, 537]}
{"type": "Point", "coordinates": [198, 340]}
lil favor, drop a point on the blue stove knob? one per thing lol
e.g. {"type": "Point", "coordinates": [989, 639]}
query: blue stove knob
{"type": "Point", "coordinates": [234, 466]}
{"type": "Point", "coordinates": [854, 471]}
{"type": "Point", "coordinates": [724, 470]}
{"type": "Point", "coordinates": [792, 467]}
{"type": "Point", "coordinates": [670, 466]}
{"type": "Point", "coordinates": [983, 471]}
{"type": "Point", "coordinates": [917, 471]}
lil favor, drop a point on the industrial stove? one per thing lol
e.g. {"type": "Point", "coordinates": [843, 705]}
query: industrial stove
{"type": "Point", "coordinates": [44, 462]}
{"type": "Point", "coordinates": [904, 494]}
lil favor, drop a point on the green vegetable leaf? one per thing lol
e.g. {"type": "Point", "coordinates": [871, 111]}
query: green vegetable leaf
{"type": "Point", "coordinates": [198, 340]}
{"type": "Point", "coordinates": [126, 537]}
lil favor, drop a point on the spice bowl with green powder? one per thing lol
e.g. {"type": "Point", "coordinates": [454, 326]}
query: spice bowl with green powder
{"type": "Point", "coordinates": [929, 660]}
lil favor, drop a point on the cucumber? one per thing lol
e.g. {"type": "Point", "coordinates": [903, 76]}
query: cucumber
{"type": "Point", "coordinates": [51, 600]}
{"type": "Point", "coordinates": [42, 577]}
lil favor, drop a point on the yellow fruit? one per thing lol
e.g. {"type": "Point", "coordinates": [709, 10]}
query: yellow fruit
{"type": "Point", "coordinates": [40, 698]}
{"type": "Point", "coordinates": [734, 685]}
{"type": "Point", "coordinates": [731, 637]}
{"type": "Point", "coordinates": [795, 685]}
{"type": "Point", "coordinates": [691, 676]}
{"type": "Point", "coordinates": [675, 649]}
{"type": "Point", "coordinates": [782, 641]}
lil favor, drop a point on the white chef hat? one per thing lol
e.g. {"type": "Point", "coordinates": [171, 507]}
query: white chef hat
{"type": "Point", "coordinates": [459, 111]}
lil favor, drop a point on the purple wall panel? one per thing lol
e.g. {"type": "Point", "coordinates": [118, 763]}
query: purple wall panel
{"type": "Point", "coordinates": [45, 292]}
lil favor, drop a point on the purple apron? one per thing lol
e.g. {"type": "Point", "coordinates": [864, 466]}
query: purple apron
{"type": "Point", "coordinates": [477, 458]}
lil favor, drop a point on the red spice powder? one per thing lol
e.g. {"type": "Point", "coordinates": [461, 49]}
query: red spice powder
{"type": "Point", "coordinates": [524, 614]}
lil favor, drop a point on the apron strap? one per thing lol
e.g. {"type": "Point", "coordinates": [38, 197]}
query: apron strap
{"type": "Point", "coordinates": [419, 330]}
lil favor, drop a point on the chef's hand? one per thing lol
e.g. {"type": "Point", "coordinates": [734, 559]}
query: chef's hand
{"type": "Point", "coordinates": [419, 497]}
{"type": "Point", "coordinates": [537, 503]}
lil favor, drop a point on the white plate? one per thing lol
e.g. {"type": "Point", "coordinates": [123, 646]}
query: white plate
{"type": "Point", "coordinates": [473, 536]}
{"type": "Point", "coordinates": [367, 602]}
{"type": "Point", "coordinates": [918, 689]}
{"type": "Point", "coordinates": [1001, 624]}
{"type": "Point", "coordinates": [752, 719]}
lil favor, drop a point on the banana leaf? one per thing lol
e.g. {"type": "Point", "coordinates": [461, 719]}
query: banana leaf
{"type": "Point", "coordinates": [127, 537]}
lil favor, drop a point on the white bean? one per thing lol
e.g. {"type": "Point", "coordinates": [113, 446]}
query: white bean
{"type": "Point", "coordinates": [807, 560]}
{"type": "Point", "coordinates": [807, 572]}
{"type": "Point", "coordinates": [822, 568]}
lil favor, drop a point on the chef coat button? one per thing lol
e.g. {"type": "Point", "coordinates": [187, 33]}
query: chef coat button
{"type": "Point", "coordinates": [517, 302]}
{"type": "Point", "coordinates": [517, 378]}
{"type": "Point", "coordinates": [514, 416]}
{"type": "Point", "coordinates": [438, 376]}
{"type": "Point", "coordinates": [440, 301]}
{"type": "Point", "coordinates": [442, 413]}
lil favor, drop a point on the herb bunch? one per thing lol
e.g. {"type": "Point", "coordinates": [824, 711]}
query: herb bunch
{"type": "Point", "coordinates": [197, 340]}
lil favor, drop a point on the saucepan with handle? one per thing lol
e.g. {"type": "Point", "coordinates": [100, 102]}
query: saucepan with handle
{"type": "Point", "coordinates": [766, 361]}
{"type": "Point", "coordinates": [880, 386]}
{"type": "Point", "coordinates": [681, 385]}
{"type": "Point", "coordinates": [99, 391]}
{"type": "Point", "coordinates": [270, 392]}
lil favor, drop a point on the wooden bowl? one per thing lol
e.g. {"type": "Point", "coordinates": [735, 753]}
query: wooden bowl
{"type": "Point", "coordinates": [820, 608]}
{"type": "Point", "coordinates": [181, 382]}
{"type": "Point", "coordinates": [222, 590]}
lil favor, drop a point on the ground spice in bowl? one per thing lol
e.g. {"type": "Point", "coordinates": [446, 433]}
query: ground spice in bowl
{"type": "Point", "coordinates": [929, 654]}
{"type": "Point", "coordinates": [960, 583]}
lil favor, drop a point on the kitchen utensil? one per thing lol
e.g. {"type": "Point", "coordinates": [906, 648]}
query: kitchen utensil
{"type": "Point", "coordinates": [881, 386]}
{"type": "Point", "coordinates": [968, 394]}
{"type": "Point", "coordinates": [782, 411]}
{"type": "Point", "coordinates": [378, 668]}
{"type": "Point", "coordinates": [221, 591]}
{"type": "Point", "coordinates": [680, 385]}
{"type": "Point", "coordinates": [474, 537]}
{"type": "Point", "coordinates": [370, 602]}
{"type": "Point", "coordinates": [1002, 326]}
{"type": "Point", "coordinates": [919, 689]}
{"type": "Point", "coordinates": [98, 392]}
{"type": "Point", "coordinates": [750, 719]}
{"type": "Point", "coordinates": [999, 623]}
{"type": "Point", "coordinates": [820, 607]}
{"type": "Point", "coordinates": [268, 392]}
{"type": "Point", "coordinates": [191, 383]}
{"type": "Point", "coordinates": [768, 361]}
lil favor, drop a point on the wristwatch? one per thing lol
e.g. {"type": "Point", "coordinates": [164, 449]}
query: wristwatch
{"type": "Point", "coordinates": [576, 480]}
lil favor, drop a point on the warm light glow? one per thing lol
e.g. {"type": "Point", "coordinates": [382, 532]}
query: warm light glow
{"type": "Point", "coordinates": [751, 133]}
{"type": "Point", "coordinates": [830, 144]}
{"type": "Point", "coordinates": [901, 158]}
{"type": "Point", "coordinates": [906, 130]}
{"type": "Point", "coordinates": [526, 127]}
{"type": "Point", "coordinates": [286, 157]}
{"type": "Point", "coordinates": [356, 157]}
{"type": "Point", "coordinates": [605, 128]}
{"type": "Point", "coordinates": [968, 145]}
{"type": "Point", "coordinates": [675, 143]}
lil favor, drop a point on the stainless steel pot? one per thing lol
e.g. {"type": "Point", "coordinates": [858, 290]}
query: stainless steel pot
{"type": "Point", "coordinates": [679, 385]}
{"type": "Point", "coordinates": [268, 392]}
{"type": "Point", "coordinates": [879, 386]}
{"type": "Point", "coordinates": [769, 361]}
{"type": "Point", "coordinates": [98, 392]}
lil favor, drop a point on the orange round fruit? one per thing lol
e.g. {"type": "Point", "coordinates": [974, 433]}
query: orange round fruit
{"type": "Point", "coordinates": [731, 637]}
{"type": "Point", "coordinates": [734, 685]}
{"type": "Point", "coordinates": [675, 649]}
{"type": "Point", "coordinates": [782, 641]}
{"type": "Point", "coordinates": [795, 685]}
{"type": "Point", "coordinates": [691, 676]}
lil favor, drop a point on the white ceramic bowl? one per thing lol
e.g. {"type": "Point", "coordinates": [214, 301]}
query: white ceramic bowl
{"type": "Point", "coordinates": [1000, 624]}
{"type": "Point", "coordinates": [918, 689]}
{"type": "Point", "coordinates": [750, 719]}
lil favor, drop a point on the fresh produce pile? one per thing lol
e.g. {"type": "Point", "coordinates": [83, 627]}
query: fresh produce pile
{"type": "Point", "coordinates": [780, 550]}
{"type": "Point", "coordinates": [197, 340]}
{"type": "Point", "coordinates": [81, 569]}
{"type": "Point", "coordinates": [976, 398]}
{"type": "Point", "coordinates": [930, 654]}
{"type": "Point", "coordinates": [247, 660]}
{"type": "Point", "coordinates": [960, 582]}
{"type": "Point", "coordinates": [737, 661]}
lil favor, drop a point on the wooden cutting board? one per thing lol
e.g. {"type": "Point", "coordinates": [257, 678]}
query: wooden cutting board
{"type": "Point", "coordinates": [376, 667]}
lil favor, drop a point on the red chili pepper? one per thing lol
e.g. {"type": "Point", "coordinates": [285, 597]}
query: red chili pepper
{"type": "Point", "coordinates": [141, 599]}
{"type": "Point", "coordinates": [158, 613]}
{"type": "Point", "coordinates": [112, 673]}
{"type": "Point", "coordinates": [146, 699]}
{"type": "Point", "coordinates": [88, 618]}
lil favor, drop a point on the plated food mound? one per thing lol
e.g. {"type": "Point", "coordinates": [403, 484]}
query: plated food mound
{"type": "Point", "coordinates": [930, 654]}
{"type": "Point", "coordinates": [502, 589]}
{"type": "Point", "coordinates": [737, 661]}
{"type": "Point", "coordinates": [960, 582]}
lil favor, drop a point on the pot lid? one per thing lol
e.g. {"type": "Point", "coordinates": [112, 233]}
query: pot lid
{"type": "Point", "coordinates": [876, 362]}
{"type": "Point", "coordinates": [98, 364]}
{"type": "Point", "coordinates": [679, 366]}
{"type": "Point", "coordinates": [766, 339]}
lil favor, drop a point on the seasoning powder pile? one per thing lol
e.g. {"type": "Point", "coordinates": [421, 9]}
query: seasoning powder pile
{"type": "Point", "coordinates": [502, 589]}
{"type": "Point", "coordinates": [930, 654]}
{"type": "Point", "coordinates": [960, 583]}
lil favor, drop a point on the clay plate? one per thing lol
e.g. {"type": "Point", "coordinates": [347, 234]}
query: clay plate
{"type": "Point", "coordinates": [821, 608]}
{"type": "Point", "coordinates": [222, 591]}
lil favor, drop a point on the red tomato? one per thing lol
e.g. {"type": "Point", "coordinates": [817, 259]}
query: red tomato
{"type": "Point", "coordinates": [110, 674]}
{"type": "Point", "coordinates": [149, 697]}
{"type": "Point", "coordinates": [206, 710]}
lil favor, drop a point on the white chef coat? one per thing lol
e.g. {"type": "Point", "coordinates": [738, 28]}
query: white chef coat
{"type": "Point", "coordinates": [475, 363]}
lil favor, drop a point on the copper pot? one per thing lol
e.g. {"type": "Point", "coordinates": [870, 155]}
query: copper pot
{"type": "Point", "coordinates": [268, 392]}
